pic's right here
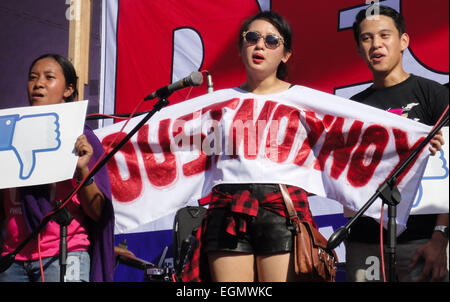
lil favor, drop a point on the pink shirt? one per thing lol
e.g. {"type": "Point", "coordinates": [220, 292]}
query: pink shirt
{"type": "Point", "coordinates": [17, 231]}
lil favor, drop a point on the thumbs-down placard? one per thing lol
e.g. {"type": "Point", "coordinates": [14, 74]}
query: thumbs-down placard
{"type": "Point", "coordinates": [37, 143]}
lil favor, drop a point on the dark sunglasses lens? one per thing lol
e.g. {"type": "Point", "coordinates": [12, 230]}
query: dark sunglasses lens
{"type": "Point", "coordinates": [252, 37]}
{"type": "Point", "coordinates": [272, 41]}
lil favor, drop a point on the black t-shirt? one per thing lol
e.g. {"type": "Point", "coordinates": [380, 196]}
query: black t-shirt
{"type": "Point", "coordinates": [422, 100]}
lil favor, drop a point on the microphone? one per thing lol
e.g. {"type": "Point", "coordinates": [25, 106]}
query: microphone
{"type": "Point", "coordinates": [209, 81]}
{"type": "Point", "coordinates": [194, 79]}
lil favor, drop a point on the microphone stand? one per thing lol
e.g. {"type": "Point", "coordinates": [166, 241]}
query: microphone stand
{"type": "Point", "coordinates": [390, 195]}
{"type": "Point", "coordinates": [8, 259]}
{"type": "Point", "coordinates": [63, 218]}
{"type": "Point", "coordinates": [99, 117]}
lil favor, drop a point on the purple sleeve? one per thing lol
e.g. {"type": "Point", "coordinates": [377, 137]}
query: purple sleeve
{"type": "Point", "coordinates": [101, 233]}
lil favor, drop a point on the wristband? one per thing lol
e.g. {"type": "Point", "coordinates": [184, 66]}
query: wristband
{"type": "Point", "coordinates": [443, 229]}
{"type": "Point", "coordinates": [87, 183]}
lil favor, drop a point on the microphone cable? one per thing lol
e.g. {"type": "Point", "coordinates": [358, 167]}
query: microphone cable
{"type": "Point", "coordinates": [382, 244]}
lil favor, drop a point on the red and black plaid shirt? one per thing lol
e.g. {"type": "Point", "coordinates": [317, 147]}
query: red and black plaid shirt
{"type": "Point", "coordinates": [240, 203]}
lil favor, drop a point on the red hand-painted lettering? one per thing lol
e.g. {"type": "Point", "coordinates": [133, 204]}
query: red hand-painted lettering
{"type": "Point", "coordinates": [360, 173]}
{"type": "Point", "coordinates": [280, 152]}
{"type": "Point", "coordinates": [160, 174]}
{"type": "Point", "coordinates": [341, 148]}
{"type": "Point", "coordinates": [124, 190]}
{"type": "Point", "coordinates": [244, 130]}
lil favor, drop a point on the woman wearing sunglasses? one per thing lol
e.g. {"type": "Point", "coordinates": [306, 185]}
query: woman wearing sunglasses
{"type": "Point", "coordinates": [248, 236]}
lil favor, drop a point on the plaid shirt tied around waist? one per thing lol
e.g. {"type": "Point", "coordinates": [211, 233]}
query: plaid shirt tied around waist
{"type": "Point", "coordinates": [243, 206]}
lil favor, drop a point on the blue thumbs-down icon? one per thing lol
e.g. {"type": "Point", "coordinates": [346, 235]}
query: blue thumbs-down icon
{"type": "Point", "coordinates": [28, 135]}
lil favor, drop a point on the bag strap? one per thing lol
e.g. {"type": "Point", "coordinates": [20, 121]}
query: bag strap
{"type": "Point", "coordinates": [289, 204]}
{"type": "Point", "coordinates": [315, 235]}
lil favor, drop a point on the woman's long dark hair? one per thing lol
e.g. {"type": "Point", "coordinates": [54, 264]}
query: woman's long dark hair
{"type": "Point", "coordinates": [69, 72]}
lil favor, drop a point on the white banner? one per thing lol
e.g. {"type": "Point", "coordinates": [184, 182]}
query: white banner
{"type": "Point", "coordinates": [433, 193]}
{"type": "Point", "coordinates": [327, 145]}
{"type": "Point", "coordinates": [37, 143]}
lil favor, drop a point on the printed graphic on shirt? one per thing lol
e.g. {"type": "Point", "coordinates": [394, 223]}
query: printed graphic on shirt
{"type": "Point", "coordinates": [404, 111]}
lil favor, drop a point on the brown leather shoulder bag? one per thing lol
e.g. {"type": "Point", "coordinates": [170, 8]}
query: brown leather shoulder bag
{"type": "Point", "coordinates": [313, 262]}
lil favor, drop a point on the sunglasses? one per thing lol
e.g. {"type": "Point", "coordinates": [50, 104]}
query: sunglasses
{"type": "Point", "coordinates": [271, 41]}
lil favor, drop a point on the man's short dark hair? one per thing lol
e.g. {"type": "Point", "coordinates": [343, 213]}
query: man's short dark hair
{"type": "Point", "coordinates": [382, 10]}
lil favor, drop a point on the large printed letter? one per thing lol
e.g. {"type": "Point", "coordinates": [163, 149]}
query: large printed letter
{"type": "Point", "coordinates": [124, 190]}
{"type": "Point", "coordinates": [201, 163]}
{"type": "Point", "coordinates": [368, 155]}
{"type": "Point", "coordinates": [280, 152]}
{"type": "Point", "coordinates": [163, 173]}
{"type": "Point", "coordinates": [403, 150]}
{"type": "Point", "coordinates": [335, 142]}
{"type": "Point", "coordinates": [316, 127]}
{"type": "Point", "coordinates": [245, 129]}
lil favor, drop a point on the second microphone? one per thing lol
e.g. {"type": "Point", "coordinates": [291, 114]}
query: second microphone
{"type": "Point", "coordinates": [194, 79]}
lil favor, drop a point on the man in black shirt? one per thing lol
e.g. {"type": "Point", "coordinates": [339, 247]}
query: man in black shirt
{"type": "Point", "coordinates": [421, 250]}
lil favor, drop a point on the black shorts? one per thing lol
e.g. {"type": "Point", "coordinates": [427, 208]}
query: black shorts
{"type": "Point", "coordinates": [267, 233]}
